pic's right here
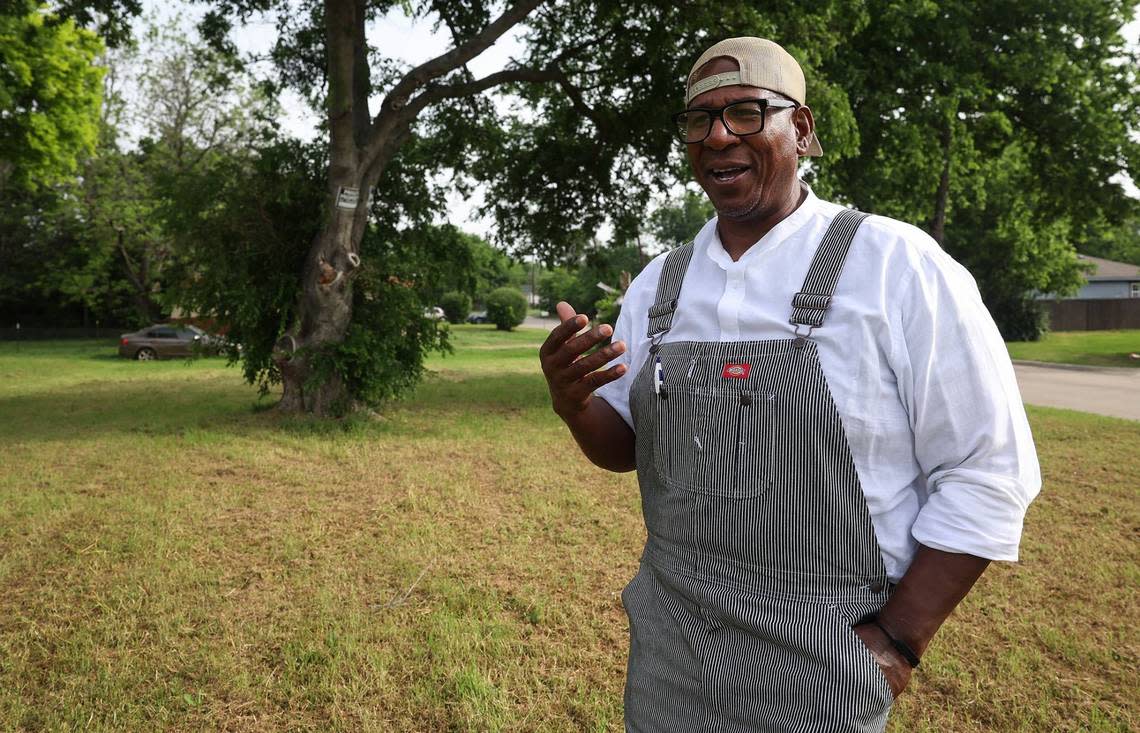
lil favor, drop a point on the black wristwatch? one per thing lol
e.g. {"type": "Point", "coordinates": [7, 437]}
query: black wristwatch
{"type": "Point", "coordinates": [900, 646]}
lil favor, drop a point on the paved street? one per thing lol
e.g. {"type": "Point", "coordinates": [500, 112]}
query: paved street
{"type": "Point", "coordinates": [544, 323]}
{"type": "Point", "coordinates": [1103, 390]}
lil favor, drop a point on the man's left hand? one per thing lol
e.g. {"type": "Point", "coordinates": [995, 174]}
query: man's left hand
{"type": "Point", "coordinates": [894, 667]}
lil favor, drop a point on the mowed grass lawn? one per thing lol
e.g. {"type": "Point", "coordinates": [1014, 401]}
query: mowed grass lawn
{"type": "Point", "coordinates": [174, 558]}
{"type": "Point", "coordinates": [1091, 348]}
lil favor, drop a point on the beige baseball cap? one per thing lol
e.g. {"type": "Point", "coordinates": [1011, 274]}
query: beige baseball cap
{"type": "Point", "coordinates": [762, 64]}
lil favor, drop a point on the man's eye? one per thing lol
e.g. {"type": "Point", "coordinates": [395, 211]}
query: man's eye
{"type": "Point", "coordinates": [744, 113]}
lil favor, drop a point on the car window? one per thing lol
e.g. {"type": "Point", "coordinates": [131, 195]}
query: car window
{"type": "Point", "coordinates": [164, 333]}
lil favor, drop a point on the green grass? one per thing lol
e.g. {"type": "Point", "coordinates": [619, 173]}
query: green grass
{"type": "Point", "coordinates": [174, 558]}
{"type": "Point", "coordinates": [1092, 348]}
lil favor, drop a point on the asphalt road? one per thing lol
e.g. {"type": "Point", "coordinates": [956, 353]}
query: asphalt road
{"type": "Point", "coordinates": [1103, 390]}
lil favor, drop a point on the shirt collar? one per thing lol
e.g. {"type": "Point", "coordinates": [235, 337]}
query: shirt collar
{"type": "Point", "coordinates": [787, 227]}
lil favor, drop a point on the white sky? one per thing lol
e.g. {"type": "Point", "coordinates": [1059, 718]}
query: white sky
{"type": "Point", "coordinates": [414, 42]}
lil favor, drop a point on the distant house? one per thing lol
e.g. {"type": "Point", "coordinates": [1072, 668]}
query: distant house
{"type": "Point", "coordinates": [1110, 298]}
{"type": "Point", "coordinates": [1109, 279]}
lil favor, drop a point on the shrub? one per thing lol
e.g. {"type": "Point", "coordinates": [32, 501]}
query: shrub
{"type": "Point", "coordinates": [607, 310]}
{"type": "Point", "coordinates": [506, 308]}
{"type": "Point", "coordinates": [556, 285]}
{"type": "Point", "coordinates": [456, 306]}
{"type": "Point", "coordinates": [1020, 318]}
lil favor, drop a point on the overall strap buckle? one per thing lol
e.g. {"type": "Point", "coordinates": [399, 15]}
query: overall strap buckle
{"type": "Point", "coordinates": [814, 298]}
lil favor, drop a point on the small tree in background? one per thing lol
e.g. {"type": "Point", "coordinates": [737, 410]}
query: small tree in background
{"type": "Point", "coordinates": [506, 308]}
{"type": "Point", "coordinates": [456, 306]}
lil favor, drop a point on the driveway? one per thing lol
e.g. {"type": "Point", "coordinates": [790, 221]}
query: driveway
{"type": "Point", "coordinates": [1103, 390]}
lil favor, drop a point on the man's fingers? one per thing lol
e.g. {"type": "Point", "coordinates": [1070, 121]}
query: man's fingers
{"type": "Point", "coordinates": [599, 358]}
{"type": "Point", "coordinates": [563, 331]}
{"type": "Point", "coordinates": [565, 311]}
{"type": "Point", "coordinates": [561, 354]}
{"type": "Point", "coordinates": [597, 379]}
{"type": "Point", "coordinates": [579, 391]}
{"type": "Point", "coordinates": [582, 343]}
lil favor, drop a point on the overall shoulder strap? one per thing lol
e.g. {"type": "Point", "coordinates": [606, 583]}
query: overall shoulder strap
{"type": "Point", "coordinates": [669, 289]}
{"type": "Point", "coordinates": [811, 303]}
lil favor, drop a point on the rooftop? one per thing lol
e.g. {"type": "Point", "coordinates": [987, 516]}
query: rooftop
{"type": "Point", "coordinates": [1109, 270]}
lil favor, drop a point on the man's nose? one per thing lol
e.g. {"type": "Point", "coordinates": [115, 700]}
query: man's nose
{"type": "Point", "coordinates": [719, 136]}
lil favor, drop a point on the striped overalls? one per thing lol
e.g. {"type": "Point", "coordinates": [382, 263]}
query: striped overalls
{"type": "Point", "coordinates": [760, 551]}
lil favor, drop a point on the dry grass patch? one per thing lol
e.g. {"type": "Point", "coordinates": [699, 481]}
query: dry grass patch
{"type": "Point", "coordinates": [172, 559]}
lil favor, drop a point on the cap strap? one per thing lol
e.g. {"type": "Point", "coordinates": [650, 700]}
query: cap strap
{"type": "Point", "coordinates": [726, 79]}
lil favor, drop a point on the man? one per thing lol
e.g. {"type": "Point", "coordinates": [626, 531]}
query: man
{"type": "Point", "coordinates": [827, 431]}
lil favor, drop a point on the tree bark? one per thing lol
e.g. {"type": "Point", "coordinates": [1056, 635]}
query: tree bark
{"type": "Point", "coordinates": [941, 199]}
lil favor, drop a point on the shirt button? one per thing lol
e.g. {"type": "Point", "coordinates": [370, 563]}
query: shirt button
{"type": "Point", "coordinates": [875, 587]}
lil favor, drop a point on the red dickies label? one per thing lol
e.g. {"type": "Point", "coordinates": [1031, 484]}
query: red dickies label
{"type": "Point", "coordinates": [736, 371]}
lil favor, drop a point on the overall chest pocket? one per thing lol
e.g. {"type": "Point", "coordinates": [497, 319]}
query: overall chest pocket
{"type": "Point", "coordinates": [718, 442]}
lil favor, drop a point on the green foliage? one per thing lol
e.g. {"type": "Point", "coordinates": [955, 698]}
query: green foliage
{"type": "Point", "coordinates": [578, 285]}
{"type": "Point", "coordinates": [1120, 243]}
{"type": "Point", "coordinates": [454, 260]}
{"type": "Point", "coordinates": [456, 306]}
{"type": "Point", "coordinates": [1008, 128]}
{"type": "Point", "coordinates": [246, 224]}
{"type": "Point", "coordinates": [607, 309]}
{"type": "Point", "coordinates": [677, 222]}
{"type": "Point", "coordinates": [247, 227]}
{"type": "Point", "coordinates": [382, 355]}
{"type": "Point", "coordinates": [109, 19]}
{"type": "Point", "coordinates": [595, 148]}
{"type": "Point", "coordinates": [556, 285]}
{"type": "Point", "coordinates": [50, 93]}
{"type": "Point", "coordinates": [506, 308]}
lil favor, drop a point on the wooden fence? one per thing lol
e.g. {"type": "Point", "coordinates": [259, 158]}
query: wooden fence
{"type": "Point", "coordinates": [1093, 315]}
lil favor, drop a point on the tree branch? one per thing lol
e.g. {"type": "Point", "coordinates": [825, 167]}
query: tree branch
{"type": "Point", "coordinates": [456, 57]}
{"type": "Point", "coordinates": [395, 126]}
{"type": "Point", "coordinates": [438, 93]}
{"type": "Point", "coordinates": [579, 104]}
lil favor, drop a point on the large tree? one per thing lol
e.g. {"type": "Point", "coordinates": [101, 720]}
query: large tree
{"type": "Point", "coordinates": [1002, 128]}
{"type": "Point", "coordinates": [49, 95]}
{"type": "Point", "coordinates": [580, 153]}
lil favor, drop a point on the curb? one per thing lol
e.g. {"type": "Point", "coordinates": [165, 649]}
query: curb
{"type": "Point", "coordinates": [1077, 367]}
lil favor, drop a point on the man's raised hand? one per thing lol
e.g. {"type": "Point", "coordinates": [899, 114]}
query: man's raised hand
{"type": "Point", "coordinates": [571, 377]}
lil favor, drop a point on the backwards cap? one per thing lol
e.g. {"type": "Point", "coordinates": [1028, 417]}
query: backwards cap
{"type": "Point", "coordinates": [762, 64]}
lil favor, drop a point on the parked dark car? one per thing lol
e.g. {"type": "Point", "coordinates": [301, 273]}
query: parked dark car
{"type": "Point", "coordinates": [164, 341]}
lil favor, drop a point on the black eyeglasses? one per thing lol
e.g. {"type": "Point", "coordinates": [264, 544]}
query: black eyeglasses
{"type": "Point", "coordinates": [742, 118]}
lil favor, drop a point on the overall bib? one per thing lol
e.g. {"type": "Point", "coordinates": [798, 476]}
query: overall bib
{"type": "Point", "coordinates": [760, 551]}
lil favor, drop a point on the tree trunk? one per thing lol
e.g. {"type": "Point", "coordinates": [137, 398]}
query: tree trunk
{"type": "Point", "coordinates": [325, 308]}
{"type": "Point", "coordinates": [941, 199]}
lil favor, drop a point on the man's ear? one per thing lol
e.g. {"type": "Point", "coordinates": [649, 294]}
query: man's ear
{"type": "Point", "coordinates": [805, 125]}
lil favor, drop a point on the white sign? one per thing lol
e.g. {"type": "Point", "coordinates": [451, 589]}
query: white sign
{"type": "Point", "coordinates": [347, 198]}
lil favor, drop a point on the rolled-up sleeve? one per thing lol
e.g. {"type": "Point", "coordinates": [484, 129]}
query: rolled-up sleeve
{"type": "Point", "coordinates": [631, 327]}
{"type": "Point", "coordinates": [616, 393]}
{"type": "Point", "coordinates": [972, 439]}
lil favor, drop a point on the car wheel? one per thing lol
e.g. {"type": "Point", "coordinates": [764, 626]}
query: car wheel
{"type": "Point", "coordinates": [146, 354]}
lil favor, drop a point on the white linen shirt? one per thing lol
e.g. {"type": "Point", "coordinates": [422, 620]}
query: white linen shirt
{"type": "Point", "coordinates": [921, 378]}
